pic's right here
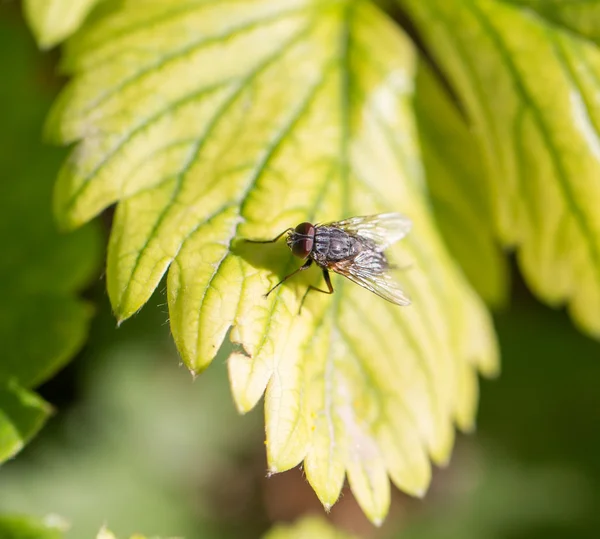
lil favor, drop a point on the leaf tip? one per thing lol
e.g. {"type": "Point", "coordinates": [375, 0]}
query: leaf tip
{"type": "Point", "coordinates": [490, 370]}
{"type": "Point", "coordinates": [63, 221]}
{"type": "Point", "coordinates": [377, 522]}
{"type": "Point", "coordinates": [420, 492]}
{"type": "Point", "coordinates": [468, 426]}
{"type": "Point", "coordinates": [441, 461]}
{"type": "Point", "coordinates": [272, 470]}
{"type": "Point", "coordinates": [122, 310]}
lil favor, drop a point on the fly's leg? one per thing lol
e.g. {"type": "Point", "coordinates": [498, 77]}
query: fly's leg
{"type": "Point", "coordinates": [311, 287]}
{"type": "Point", "coordinates": [306, 265]}
{"type": "Point", "coordinates": [327, 282]}
{"type": "Point", "coordinates": [271, 241]}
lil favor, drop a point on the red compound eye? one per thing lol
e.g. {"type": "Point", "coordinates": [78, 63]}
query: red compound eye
{"type": "Point", "coordinates": [302, 240]}
{"type": "Point", "coordinates": [305, 229]}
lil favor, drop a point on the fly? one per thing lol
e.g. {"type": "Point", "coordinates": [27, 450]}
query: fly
{"type": "Point", "coordinates": [353, 248]}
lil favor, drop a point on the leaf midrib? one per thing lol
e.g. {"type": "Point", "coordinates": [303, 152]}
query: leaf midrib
{"type": "Point", "coordinates": [343, 62]}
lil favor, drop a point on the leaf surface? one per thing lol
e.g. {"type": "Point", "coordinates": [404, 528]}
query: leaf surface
{"type": "Point", "coordinates": [529, 88]}
{"type": "Point", "coordinates": [105, 533]}
{"type": "Point", "coordinates": [22, 414]}
{"type": "Point", "coordinates": [306, 528]}
{"type": "Point", "coordinates": [458, 187]}
{"type": "Point", "coordinates": [52, 21]}
{"type": "Point", "coordinates": [42, 323]}
{"type": "Point", "coordinates": [21, 527]}
{"type": "Point", "coordinates": [580, 17]}
{"type": "Point", "coordinates": [268, 114]}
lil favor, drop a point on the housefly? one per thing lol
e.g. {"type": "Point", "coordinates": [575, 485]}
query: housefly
{"type": "Point", "coordinates": [353, 248]}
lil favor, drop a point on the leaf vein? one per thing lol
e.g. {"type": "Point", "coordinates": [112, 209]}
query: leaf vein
{"type": "Point", "coordinates": [194, 154]}
{"type": "Point", "coordinates": [554, 154]}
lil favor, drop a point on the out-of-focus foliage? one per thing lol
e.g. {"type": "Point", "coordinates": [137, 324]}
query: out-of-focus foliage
{"type": "Point", "coordinates": [105, 533]}
{"type": "Point", "coordinates": [529, 88]}
{"type": "Point", "coordinates": [22, 414]}
{"type": "Point", "coordinates": [145, 434]}
{"type": "Point", "coordinates": [503, 497]}
{"type": "Point", "coordinates": [54, 20]}
{"type": "Point", "coordinates": [459, 191]}
{"type": "Point", "coordinates": [304, 114]}
{"type": "Point", "coordinates": [137, 425]}
{"type": "Point", "coordinates": [142, 423]}
{"type": "Point", "coordinates": [580, 17]}
{"type": "Point", "coordinates": [42, 322]}
{"type": "Point", "coordinates": [21, 527]}
{"type": "Point", "coordinates": [307, 528]}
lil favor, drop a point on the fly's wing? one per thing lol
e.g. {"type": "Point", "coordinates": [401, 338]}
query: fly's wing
{"type": "Point", "coordinates": [369, 270]}
{"type": "Point", "coordinates": [382, 229]}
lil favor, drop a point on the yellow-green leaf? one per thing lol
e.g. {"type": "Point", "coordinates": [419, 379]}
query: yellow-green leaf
{"type": "Point", "coordinates": [22, 414]}
{"type": "Point", "coordinates": [458, 186]}
{"type": "Point", "coordinates": [530, 90]}
{"type": "Point", "coordinates": [307, 528]}
{"type": "Point", "coordinates": [105, 533]}
{"type": "Point", "coordinates": [52, 21]}
{"type": "Point", "coordinates": [217, 121]}
{"type": "Point", "coordinates": [580, 17]}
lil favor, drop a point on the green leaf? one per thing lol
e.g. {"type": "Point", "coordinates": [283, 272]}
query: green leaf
{"type": "Point", "coordinates": [196, 421]}
{"type": "Point", "coordinates": [306, 528]}
{"type": "Point", "coordinates": [42, 324]}
{"type": "Point", "coordinates": [105, 533]}
{"type": "Point", "coordinates": [22, 414]}
{"type": "Point", "coordinates": [457, 183]}
{"type": "Point", "coordinates": [529, 89]}
{"type": "Point", "coordinates": [52, 21]}
{"type": "Point", "coordinates": [580, 17]}
{"type": "Point", "coordinates": [59, 324]}
{"type": "Point", "coordinates": [266, 115]}
{"type": "Point", "coordinates": [21, 527]}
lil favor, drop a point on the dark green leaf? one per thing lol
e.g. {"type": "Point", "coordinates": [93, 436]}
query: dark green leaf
{"type": "Point", "coordinates": [21, 527]}
{"type": "Point", "coordinates": [42, 323]}
{"type": "Point", "coordinates": [459, 187]}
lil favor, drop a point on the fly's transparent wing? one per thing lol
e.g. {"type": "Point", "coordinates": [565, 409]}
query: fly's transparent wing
{"type": "Point", "coordinates": [369, 269]}
{"type": "Point", "coordinates": [382, 229]}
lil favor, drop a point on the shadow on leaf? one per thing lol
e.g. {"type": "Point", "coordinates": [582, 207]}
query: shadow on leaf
{"type": "Point", "coordinates": [277, 259]}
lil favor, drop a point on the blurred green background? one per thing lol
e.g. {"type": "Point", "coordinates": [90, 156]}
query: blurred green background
{"type": "Point", "coordinates": [137, 444]}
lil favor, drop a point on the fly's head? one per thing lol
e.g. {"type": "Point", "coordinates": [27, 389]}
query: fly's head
{"type": "Point", "coordinates": [301, 240]}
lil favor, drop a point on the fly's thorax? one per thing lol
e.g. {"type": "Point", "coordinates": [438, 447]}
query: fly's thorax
{"type": "Point", "coordinates": [333, 244]}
